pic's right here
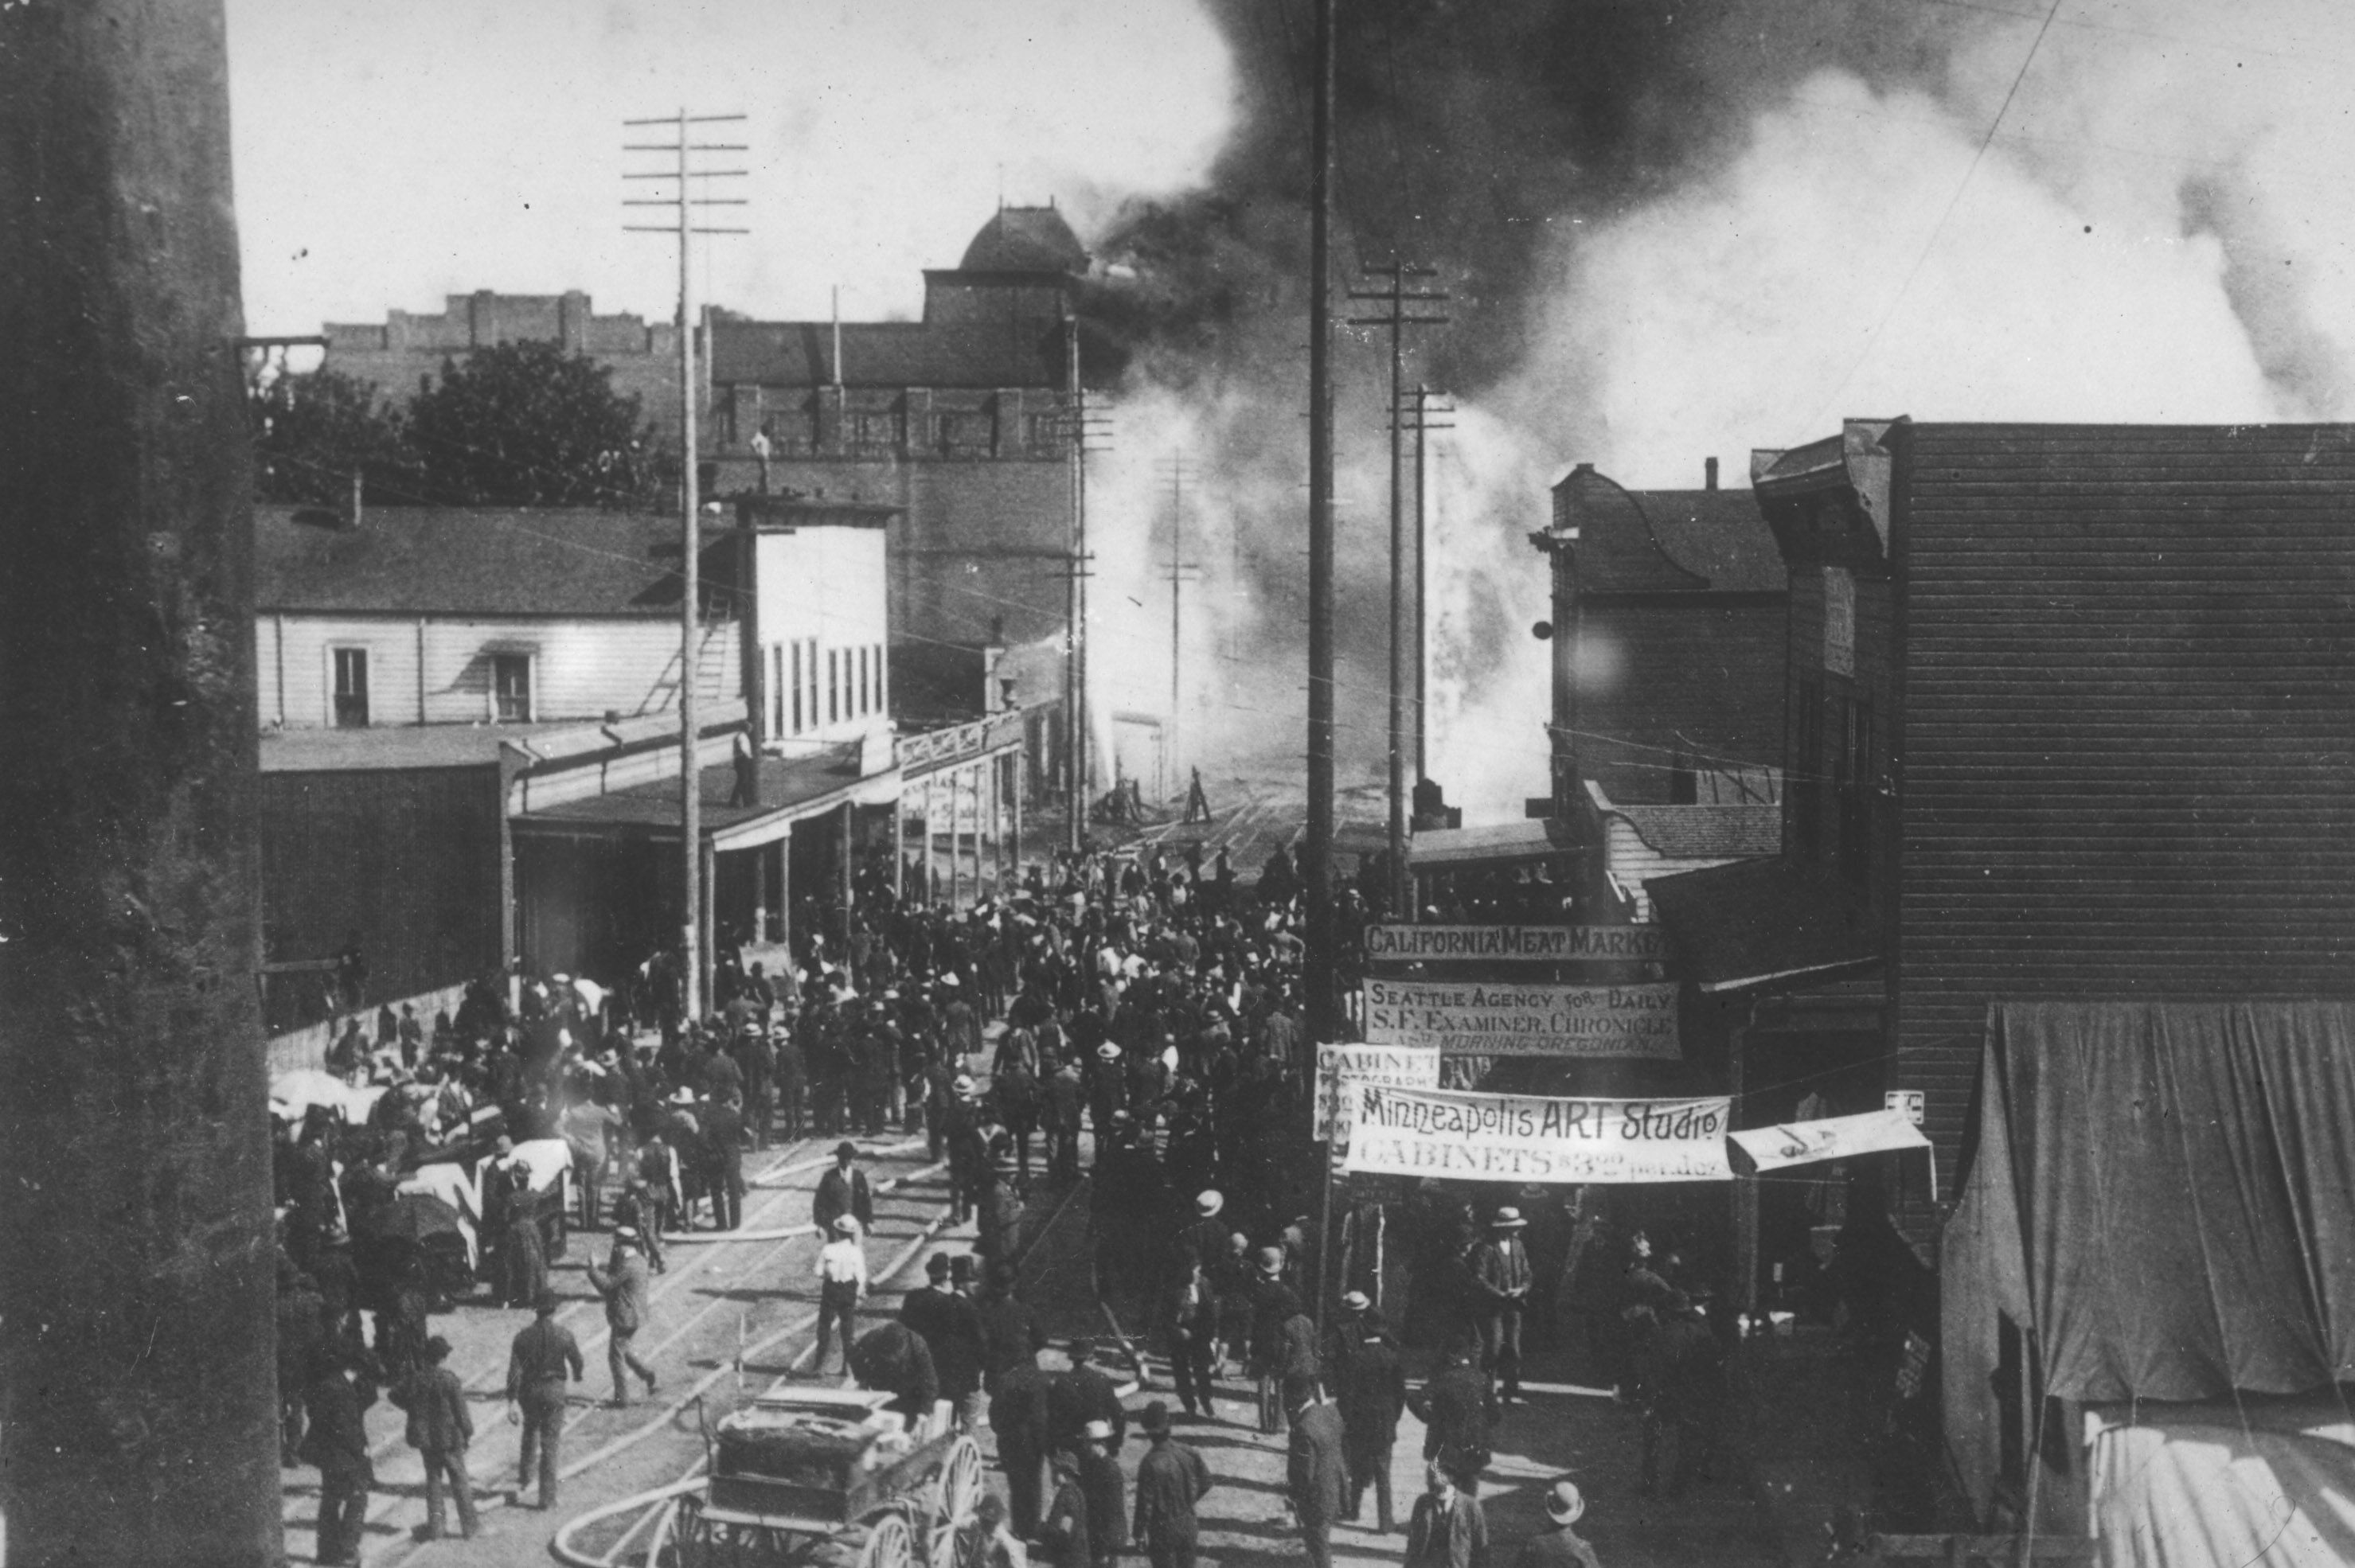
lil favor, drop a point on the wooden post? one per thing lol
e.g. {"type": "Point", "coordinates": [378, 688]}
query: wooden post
{"type": "Point", "coordinates": [1745, 1188]}
{"type": "Point", "coordinates": [1020, 766]}
{"type": "Point", "coordinates": [136, 1307]}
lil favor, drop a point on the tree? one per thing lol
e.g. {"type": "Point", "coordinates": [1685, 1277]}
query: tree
{"type": "Point", "coordinates": [313, 432]}
{"type": "Point", "coordinates": [527, 424]}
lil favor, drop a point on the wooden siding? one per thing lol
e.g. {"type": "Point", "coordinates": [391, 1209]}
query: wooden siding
{"type": "Point", "coordinates": [406, 859]}
{"type": "Point", "coordinates": [581, 669]}
{"type": "Point", "coordinates": [2129, 726]}
{"type": "Point", "coordinates": [1688, 676]}
{"type": "Point", "coordinates": [1630, 861]}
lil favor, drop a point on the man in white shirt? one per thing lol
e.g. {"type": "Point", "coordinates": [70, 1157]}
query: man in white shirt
{"type": "Point", "coordinates": [842, 1285]}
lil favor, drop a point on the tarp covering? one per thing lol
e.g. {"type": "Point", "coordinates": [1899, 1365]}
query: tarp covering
{"type": "Point", "coordinates": [2225, 1485]}
{"type": "Point", "coordinates": [2164, 1195]}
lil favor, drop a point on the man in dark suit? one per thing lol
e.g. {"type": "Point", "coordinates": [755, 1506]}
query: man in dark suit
{"type": "Point", "coordinates": [337, 1443]}
{"type": "Point", "coordinates": [1317, 1476]}
{"type": "Point", "coordinates": [1081, 1395]}
{"type": "Point", "coordinates": [1017, 1413]}
{"type": "Point", "coordinates": [542, 1362]}
{"type": "Point", "coordinates": [440, 1428]}
{"type": "Point", "coordinates": [1371, 1391]}
{"type": "Point", "coordinates": [843, 1190]}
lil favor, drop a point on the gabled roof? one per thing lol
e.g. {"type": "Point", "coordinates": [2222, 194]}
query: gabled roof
{"type": "Point", "coordinates": [1667, 541]}
{"type": "Point", "coordinates": [1025, 239]}
{"type": "Point", "coordinates": [418, 561]}
{"type": "Point", "coordinates": [975, 355]}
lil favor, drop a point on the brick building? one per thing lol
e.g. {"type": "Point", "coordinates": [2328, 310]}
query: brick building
{"type": "Point", "coordinates": [956, 419]}
{"type": "Point", "coordinates": [406, 348]}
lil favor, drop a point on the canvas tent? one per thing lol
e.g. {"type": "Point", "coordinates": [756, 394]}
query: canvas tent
{"type": "Point", "coordinates": [2156, 1230]}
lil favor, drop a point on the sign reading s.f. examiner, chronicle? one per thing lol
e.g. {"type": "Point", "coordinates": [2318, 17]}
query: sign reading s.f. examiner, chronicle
{"type": "Point", "coordinates": [1495, 1018]}
{"type": "Point", "coordinates": [1509, 1137]}
{"type": "Point", "coordinates": [1514, 944]}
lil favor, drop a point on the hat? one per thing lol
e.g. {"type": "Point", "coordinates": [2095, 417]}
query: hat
{"type": "Point", "coordinates": [961, 1269]}
{"type": "Point", "coordinates": [1108, 1052]}
{"type": "Point", "coordinates": [1508, 1219]}
{"type": "Point", "coordinates": [845, 1225]}
{"type": "Point", "coordinates": [963, 1084]}
{"type": "Point", "coordinates": [1208, 1202]}
{"type": "Point", "coordinates": [625, 1233]}
{"type": "Point", "coordinates": [937, 1265]}
{"type": "Point", "coordinates": [683, 1096]}
{"type": "Point", "coordinates": [1271, 1261]}
{"type": "Point", "coordinates": [1564, 1504]}
{"type": "Point", "coordinates": [1155, 1417]}
{"type": "Point", "coordinates": [505, 1144]}
{"type": "Point", "coordinates": [845, 1149]}
{"type": "Point", "coordinates": [949, 979]}
{"type": "Point", "coordinates": [1082, 1349]}
{"type": "Point", "coordinates": [436, 1348]}
{"type": "Point", "coordinates": [544, 1303]}
{"type": "Point", "coordinates": [1097, 1432]}
{"type": "Point", "coordinates": [1355, 1301]}
{"type": "Point", "coordinates": [561, 979]}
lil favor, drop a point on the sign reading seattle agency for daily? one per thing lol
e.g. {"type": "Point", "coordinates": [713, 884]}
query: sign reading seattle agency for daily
{"type": "Point", "coordinates": [1514, 944]}
{"type": "Point", "coordinates": [1512, 1138]}
{"type": "Point", "coordinates": [1341, 1068]}
{"type": "Point", "coordinates": [1495, 1018]}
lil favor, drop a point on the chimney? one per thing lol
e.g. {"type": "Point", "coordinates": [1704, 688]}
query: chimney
{"type": "Point", "coordinates": [1708, 468]}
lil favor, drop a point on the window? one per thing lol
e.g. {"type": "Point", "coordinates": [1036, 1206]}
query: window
{"type": "Point", "coordinates": [1806, 768]}
{"type": "Point", "coordinates": [776, 688]}
{"type": "Point", "coordinates": [1854, 781]}
{"type": "Point", "coordinates": [882, 701]}
{"type": "Point", "coordinates": [863, 706]}
{"type": "Point", "coordinates": [833, 685]}
{"type": "Point", "coordinates": [511, 687]}
{"type": "Point", "coordinates": [806, 681]}
{"type": "Point", "coordinates": [351, 688]}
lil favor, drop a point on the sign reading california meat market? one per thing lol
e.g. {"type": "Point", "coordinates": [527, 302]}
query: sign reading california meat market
{"type": "Point", "coordinates": [1514, 944]}
{"type": "Point", "coordinates": [1514, 1137]}
{"type": "Point", "coordinates": [1492, 1018]}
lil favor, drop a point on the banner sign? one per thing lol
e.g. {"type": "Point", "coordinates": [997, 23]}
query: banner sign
{"type": "Point", "coordinates": [1516, 944]}
{"type": "Point", "coordinates": [1832, 1138]}
{"type": "Point", "coordinates": [1512, 1138]}
{"type": "Point", "coordinates": [1341, 1068]}
{"type": "Point", "coordinates": [1484, 1018]}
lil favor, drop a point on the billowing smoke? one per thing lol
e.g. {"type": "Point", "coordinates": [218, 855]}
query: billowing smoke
{"type": "Point", "coordinates": [1673, 232]}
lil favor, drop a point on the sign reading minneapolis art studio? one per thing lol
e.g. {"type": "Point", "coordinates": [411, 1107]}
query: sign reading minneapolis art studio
{"type": "Point", "coordinates": [1341, 1068]}
{"type": "Point", "coordinates": [1510, 1137]}
{"type": "Point", "coordinates": [1514, 944]}
{"type": "Point", "coordinates": [1495, 1018]}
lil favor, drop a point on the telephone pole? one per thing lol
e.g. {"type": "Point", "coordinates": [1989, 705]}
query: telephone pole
{"type": "Point", "coordinates": [1319, 967]}
{"type": "Point", "coordinates": [1398, 300]}
{"type": "Point", "coordinates": [1172, 468]}
{"type": "Point", "coordinates": [690, 615]}
{"type": "Point", "coordinates": [1080, 426]}
{"type": "Point", "coordinates": [1422, 422]}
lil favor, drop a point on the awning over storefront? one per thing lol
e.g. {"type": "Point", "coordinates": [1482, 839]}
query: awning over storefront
{"type": "Point", "coordinates": [1762, 922]}
{"type": "Point", "coordinates": [2164, 1195]}
{"type": "Point", "coordinates": [1495, 847]}
{"type": "Point", "coordinates": [789, 789]}
{"type": "Point", "coordinates": [1830, 1137]}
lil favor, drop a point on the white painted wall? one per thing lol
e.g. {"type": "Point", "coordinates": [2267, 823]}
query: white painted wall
{"type": "Point", "coordinates": [581, 669]}
{"type": "Point", "coordinates": [827, 590]}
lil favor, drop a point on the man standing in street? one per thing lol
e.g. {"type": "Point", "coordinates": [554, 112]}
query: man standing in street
{"type": "Point", "coordinates": [1170, 1482]}
{"type": "Point", "coordinates": [337, 1443]}
{"type": "Point", "coordinates": [1082, 1396]}
{"type": "Point", "coordinates": [1107, 1494]}
{"type": "Point", "coordinates": [1558, 1547]}
{"type": "Point", "coordinates": [543, 1361]}
{"type": "Point", "coordinates": [1456, 1409]}
{"type": "Point", "coordinates": [842, 1285]}
{"type": "Point", "coordinates": [1017, 1415]}
{"type": "Point", "coordinates": [1371, 1391]}
{"type": "Point", "coordinates": [1317, 1475]}
{"type": "Point", "coordinates": [1683, 1393]}
{"type": "Point", "coordinates": [440, 1428]}
{"type": "Point", "coordinates": [1450, 1528]}
{"type": "Point", "coordinates": [623, 1287]}
{"type": "Point", "coordinates": [1501, 1281]}
{"type": "Point", "coordinates": [1065, 1528]}
{"type": "Point", "coordinates": [843, 1190]}
{"type": "Point", "coordinates": [1192, 1320]}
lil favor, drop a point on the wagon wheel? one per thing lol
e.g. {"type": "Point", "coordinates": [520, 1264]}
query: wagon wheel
{"type": "Point", "coordinates": [889, 1544]}
{"type": "Point", "coordinates": [690, 1535]}
{"type": "Point", "coordinates": [955, 1493]}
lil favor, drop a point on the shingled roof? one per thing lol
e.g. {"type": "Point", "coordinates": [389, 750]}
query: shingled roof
{"type": "Point", "coordinates": [1667, 541]}
{"type": "Point", "coordinates": [415, 560]}
{"type": "Point", "coordinates": [1025, 239]}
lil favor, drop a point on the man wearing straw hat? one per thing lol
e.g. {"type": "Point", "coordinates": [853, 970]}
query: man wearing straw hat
{"type": "Point", "coordinates": [1501, 1281]}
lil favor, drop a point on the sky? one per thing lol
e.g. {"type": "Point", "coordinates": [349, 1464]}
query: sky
{"type": "Point", "coordinates": [390, 154]}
